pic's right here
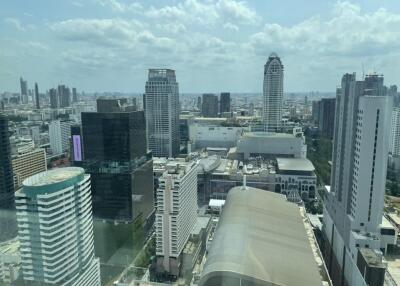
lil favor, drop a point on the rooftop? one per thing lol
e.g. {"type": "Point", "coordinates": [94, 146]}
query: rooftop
{"type": "Point", "coordinates": [52, 177]}
{"type": "Point", "coordinates": [295, 164]}
{"type": "Point", "coordinates": [268, 135]}
{"type": "Point", "coordinates": [372, 258]}
{"type": "Point", "coordinates": [256, 232]}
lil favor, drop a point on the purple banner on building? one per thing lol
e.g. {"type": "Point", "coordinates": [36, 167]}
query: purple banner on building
{"type": "Point", "coordinates": [76, 141]}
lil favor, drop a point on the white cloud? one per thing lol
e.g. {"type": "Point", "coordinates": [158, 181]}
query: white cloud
{"type": "Point", "coordinates": [206, 13]}
{"type": "Point", "coordinates": [120, 7]}
{"type": "Point", "coordinates": [15, 23]}
{"type": "Point", "coordinates": [348, 33]}
{"type": "Point", "coordinates": [238, 11]}
{"type": "Point", "coordinates": [173, 28]}
{"type": "Point", "coordinates": [77, 4]}
{"type": "Point", "coordinates": [230, 26]}
{"type": "Point", "coordinates": [38, 46]}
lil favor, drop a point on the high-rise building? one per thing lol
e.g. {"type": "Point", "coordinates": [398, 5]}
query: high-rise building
{"type": "Point", "coordinates": [24, 90]}
{"type": "Point", "coordinates": [55, 137]}
{"type": "Point", "coordinates": [396, 95]}
{"type": "Point", "coordinates": [209, 107]}
{"type": "Point", "coordinates": [315, 111]}
{"type": "Point", "coordinates": [116, 157]}
{"type": "Point", "coordinates": [37, 99]}
{"type": "Point", "coordinates": [199, 103]}
{"type": "Point", "coordinates": [326, 116]}
{"type": "Point", "coordinates": [225, 102]}
{"type": "Point", "coordinates": [162, 113]}
{"type": "Point", "coordinates": [395, 134]}
{"type": "Point", "coordinates": [7, 220]}
{"type": "Point", "coordinates": [60, 135]}
{"type": "Point", "coordinates": [56, 235]}
{"type": "Point", "coordinates": [273, 93]}
{"type": "Point", "coordinates": [64, 96]}
{"type": "Point", "coordinates": [176, 213]}
{"type": "Point", "coordinates": [28, 164]}
{"type": "Point", "coordinates": [54, 102]}
{"type": "Point", "coordinates": [6, 173]}
{"type": "Point", "coordinates": [353, 207]}
{"type": "Point", "coordinates": [74, 95]}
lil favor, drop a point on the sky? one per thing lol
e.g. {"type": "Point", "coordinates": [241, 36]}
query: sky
{"type": "Point", "coordinates": [214, 45]}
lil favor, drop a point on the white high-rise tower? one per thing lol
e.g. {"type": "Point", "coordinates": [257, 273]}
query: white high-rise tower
{"type": "Point", "coordinates": [176, 213]}
{"type": "Point", "coordinates": [55, 229]}
{"type": "Point", "coordinates": [273, 93]}
{"type": "Point", "coordinates": [162, 113]}
{"type": "Point", "coordinates": [353, 208]}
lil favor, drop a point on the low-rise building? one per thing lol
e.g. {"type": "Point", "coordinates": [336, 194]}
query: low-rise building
{"type": "Point", "coordinates": [203, 136]}
{"type": "Point", "coordinates": [296, 178]}
{"type": "Point", "coordinates": [271, 145]}
{"type": "Point", "coordinates": [10, 261]}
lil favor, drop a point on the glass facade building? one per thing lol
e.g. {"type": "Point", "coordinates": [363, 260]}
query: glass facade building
{"type": "Point", "coordinates": [115, 152]}
{"type": "Point", "coordinates": [7, 215]}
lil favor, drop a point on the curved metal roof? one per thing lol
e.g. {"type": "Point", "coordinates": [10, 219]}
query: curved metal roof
{"type": "Point", "coordinates": [260, 240]}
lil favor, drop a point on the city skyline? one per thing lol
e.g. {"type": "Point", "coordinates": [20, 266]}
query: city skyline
{"type": "Point", "coordinates": [110, 44]}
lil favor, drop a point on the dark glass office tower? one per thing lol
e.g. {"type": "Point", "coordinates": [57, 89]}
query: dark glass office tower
{"type": "Point", "coordinates": [116, 157]}
{"type": "Point", "coordinates": [209, 105]}
{"type": "Point", "coordinates": [74, 95]}
{"type": "Point", "coordinates": [225, 102]}
{"type": "Point", "coordinates": [54, 102]}
{"type": "Point", "coordinates": [7, 211]}
{"type": "Point", "coordinates": [37, 99]}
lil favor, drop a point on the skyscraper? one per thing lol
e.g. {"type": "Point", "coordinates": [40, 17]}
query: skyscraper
{"type": "Point", "coordinates": [6, 173]}
{"type": "Point", "coordinates": [60, 134]}
{"type": "Point", "coordinates": [56, 235]}
{"type": "Point", "coordinates": [199, 103]}
{"type": "Point", "coordinates": [273, 93]}
{"type": "Point", "coordinates": [54, 102]}
{"type": "Point", "coordinates": [24, 90]}
{"type": "Point", "coordinates": [315, 111]}
{"type": "Point", "coordinates": [74, 95]}
{"type": "Point", "coordinates": [116, 157]}
{"type": "Point", "coordinates": [176, 213]}
{"type": "Point", "coordinates": [326, 120]}
{"type": "Point", "coordinates": [121, 169]}
{"type": "Point", "coordinates": [64, 96]}
{"type": "Point", "coordinates": [162, 113]}
{"type": "Point", "coordinates": [37, 99]}
{"type": "Point", "coordinates": [209, 106]}
{"type": "Point", "coordinates": [7, 218]}
{"type": "Point", "coordinates": [353, 208]}
{"type": "Point", "coordinates": [395, 134]}
{"type": "Point", "coordinates": [225, 102]}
